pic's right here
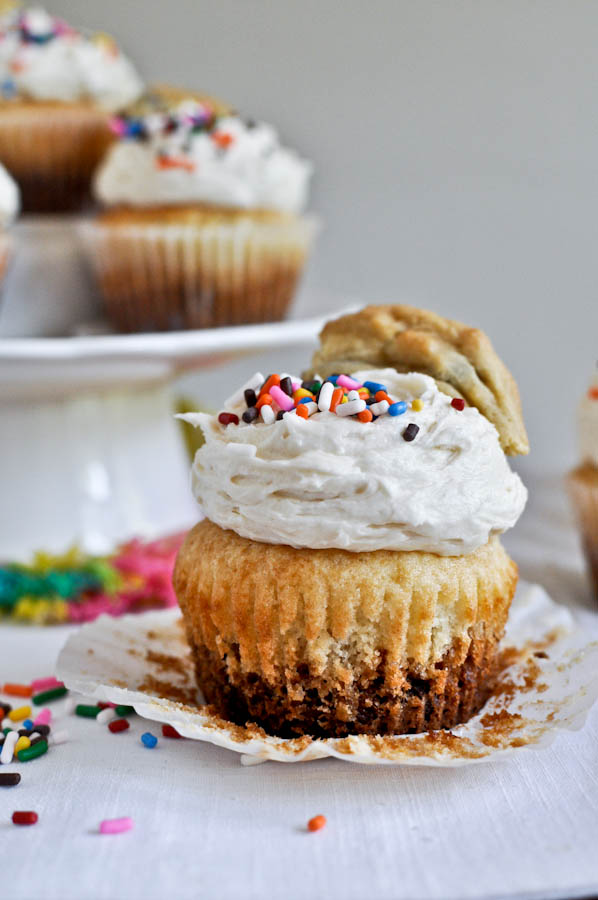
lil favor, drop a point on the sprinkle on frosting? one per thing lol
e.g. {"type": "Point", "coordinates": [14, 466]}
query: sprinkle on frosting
{"type": "Point", "coordinates": [269, 400]}
{"type": "Point", "coordinates": [193, 149]}
{"type": "Point", "coordinates": [42, 57]}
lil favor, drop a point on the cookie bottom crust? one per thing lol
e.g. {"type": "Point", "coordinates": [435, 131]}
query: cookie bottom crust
{"type": "Point", "coordinates": [451, 695]}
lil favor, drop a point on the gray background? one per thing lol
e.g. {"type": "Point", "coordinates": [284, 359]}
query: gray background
{"type": "Point", "coordinates": [456, 152]}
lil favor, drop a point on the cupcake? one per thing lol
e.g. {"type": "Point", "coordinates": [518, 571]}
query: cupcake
{"type": "Point", "coordinates": [349, 576]}
{"type": "Point", "coordinates": [9, 207]}
{"type": "Point", "coordinates": [583, 481]}
{"type": "Point", "coordinates": [58, 88]}
{"type": "Point", "coordinates": [201, 223]}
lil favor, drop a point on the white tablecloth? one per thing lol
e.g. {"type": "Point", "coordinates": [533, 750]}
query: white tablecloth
{"type": "Point", "coordinates": [207, 827]}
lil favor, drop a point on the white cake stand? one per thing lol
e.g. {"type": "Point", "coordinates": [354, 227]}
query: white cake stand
{"type": "Point", "coordinates": [89, 449]}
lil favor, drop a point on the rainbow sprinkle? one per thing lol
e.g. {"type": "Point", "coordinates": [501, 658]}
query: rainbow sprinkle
{"type": "Point", "coordinates": [76, 587]}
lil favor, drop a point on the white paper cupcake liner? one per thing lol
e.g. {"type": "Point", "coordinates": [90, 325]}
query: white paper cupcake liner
{"type": "Point", "coordinates": [550, 685]}
{"type": "Point", "coordinates": [164, 277]}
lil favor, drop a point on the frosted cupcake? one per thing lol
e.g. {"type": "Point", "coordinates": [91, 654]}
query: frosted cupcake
{"type": "Point", "coordinates": [349, 576]}
{"type": "Point", "coordinates": [9, 207]}
{"type": "Point", "coordinates": [58, 88]}
{"type": "Point", "coordinates": [202, 223]}
{"type": "Point", "coordinates": [583, 481]}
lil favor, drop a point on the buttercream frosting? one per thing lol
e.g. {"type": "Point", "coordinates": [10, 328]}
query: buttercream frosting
{"type": "Point", "coordinates": [588, 424]}
{"type": "Point", "coordinates": [331, 481]}
{"type": "Point", "coordinates": [43, 58]}
{"type": "Point", "coordinates": [9, 198]}
{"type": "Point", "coordinates": [190, 155]}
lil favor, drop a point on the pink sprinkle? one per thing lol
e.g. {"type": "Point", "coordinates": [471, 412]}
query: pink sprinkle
{"type": "Point", "coordinates": [44, 717]}
{"type": "Point", "coordinates": [45, 684]}
{"type": "Point", "coordinates": [116, 826]}
{"type": "Point", "coordinates": [349, 383]}
{"type": "Point", "coordinates": [281, 399]}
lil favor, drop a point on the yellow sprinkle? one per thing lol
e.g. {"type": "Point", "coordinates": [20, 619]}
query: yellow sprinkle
{"type": "Point", "coordinates": [22, 744]}
{"type": "Point", "coordinates": [417, 404]}
{"type": "Point", "coordinates": [345, 399]}
{"type": "Point", "coordinates": [17, 715]}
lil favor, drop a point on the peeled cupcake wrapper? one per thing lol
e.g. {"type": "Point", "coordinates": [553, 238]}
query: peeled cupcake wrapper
{"type": "Point", "coordinates": [165, 277]}
{"type": "Point", "coordinates": [5, 253]}
{"type": "Point", "coordinates": [52, 151]}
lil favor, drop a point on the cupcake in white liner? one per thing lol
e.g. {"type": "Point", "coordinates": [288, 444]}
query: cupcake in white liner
{"type": "Point", "coordinates": [202, 223]}
{"type": "Point", "coordinates": [58, 89]}
{"type": "Point", "coordinates": [583, 480]}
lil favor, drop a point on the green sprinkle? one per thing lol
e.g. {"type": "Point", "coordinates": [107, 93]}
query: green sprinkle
{"type": "Point", "coordinates": [47, 696]}
{"type": "Point", "coordinates": [124, 710]}
{"type": "Point", "coordinates": [6, 730]}
{"type": "Point", "coordinates": [37, 749]}
{"type": "Point", "coordinates": [88, 712]}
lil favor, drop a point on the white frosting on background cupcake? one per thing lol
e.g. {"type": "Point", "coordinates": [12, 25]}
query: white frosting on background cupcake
{"type": "Point", "coordinates": [331, 481]}
{"type": "Point", "coordinates": [9, 198]}
{"type": "Point", "coordinates": [43, 58]}
{"type": "Point", "coordinates": [588, 424]}
{"type": "Point", "coordinates": [190, 156]}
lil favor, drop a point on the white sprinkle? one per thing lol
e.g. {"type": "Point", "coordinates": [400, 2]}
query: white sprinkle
{"type": "Point", "coordinates": [325, 396]}
{"type": "Point", "coordinates": [58, 737]}
{"type": "Point", "coordinates": [379, 408]}
{"type": "Point", "coordinates": [34, 735]}
{"type": "Point", "coordinates": [8, 747]}
{"type": "Point", "coordinates": [311, 407]}
{"type": "Point", "coordinates": [106, 715]}
{"type": "Point", "coordinates": [267, 414]}
{"type": "Point", "coordinates": [351, 408]}
{"type": "Point", "coordinates": [353, 395]}
{"type": "Point", "coordinates": [7, 723]}
{"type": "Point", "coordinates": [70, 705]}
{"type": "Point", "coordinates": [256, 381]}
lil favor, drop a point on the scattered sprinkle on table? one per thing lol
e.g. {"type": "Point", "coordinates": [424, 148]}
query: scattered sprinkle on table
{"type": "Point", "coordinates": [118, 725]}
{"type": "Point", "coordinates": [169, 732]}
{"type": "Point", "coordinates": [17, 690]}
{"type": "Point", "coordinates": [9, 779]}
{"type": "Point", "coordinates": [149, 740]}
{"type": "Point", "coordinates": [24, 818]}
{"type": "Point", "coordinates": [116, 826]}
{"type": "Point", "coordinates": [54, 693]}
{"type": "Point", "coordinates": [317, 823]}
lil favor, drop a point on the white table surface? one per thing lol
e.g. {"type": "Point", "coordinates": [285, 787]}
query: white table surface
{"type": "Point", "coordinates": [207, 827]}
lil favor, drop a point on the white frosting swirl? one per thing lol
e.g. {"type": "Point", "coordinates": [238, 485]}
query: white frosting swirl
{"type": "Point", "coordinates": [588, 424]}
{"type": "Point", "coordinates": [44, 59]}
{"type": "Point", "coordinates": [249, 169]}
{"type": "Point", "coordinates": [9, 198]}
{"type": "Point", "coordinates": [328, 481]}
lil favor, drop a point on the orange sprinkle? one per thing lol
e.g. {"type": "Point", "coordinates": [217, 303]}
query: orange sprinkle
{"type": "Point", "coordinates": [337, 396]}
{"type": "Point", "coordinates": [265, 400]}
{"type": "Point", "coordinates": [316, 823]}
{"type": "Point", "coordinates": [302, 411]}
{"type": "Point", "coordinates": [382, 395]}
{"type": "Point", "coordinates": [593, 393]}
{"type": "Point", "coordinates": [175, 162]}
{"type": "Point", "coordinates": [18, 690]}
{"type": "Point", "coordinates": [363, 393]}
{"type": "Point", "coordinates": [365, 416]}
{"type": "Point", "coordinates": [272, 380]}
{"type": "Point", "coordinates": [222, 138]}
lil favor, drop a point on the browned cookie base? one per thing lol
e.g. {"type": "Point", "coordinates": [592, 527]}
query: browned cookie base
{"type": "Point", "coordinates": [452, 695]}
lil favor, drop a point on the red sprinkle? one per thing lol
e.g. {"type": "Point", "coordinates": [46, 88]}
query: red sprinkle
{"type": "Point", "coordinates": [24, 818]}
{"type": "Point", "coordinates": [117, 725]}
{"type": "Point", "coordinates": [222, 138]}
{"type": "Point", "coordinates": [228, 418]}
{"type": "Point", "coordinates": [170, 732]}
{"type": "Point", "coordinates": [593, 393]}
{"type": "Point", "coordinates": [316, 823]}
{"type": "Point", "coordinates": [458, 403]}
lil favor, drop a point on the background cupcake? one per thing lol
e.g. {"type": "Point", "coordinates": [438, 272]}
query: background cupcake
{"type": "Point", "coordinates": [9, 207]}
{"type": "Point", "coordinates": [583, 481]}
{"type": "Point", "coordinates": [58, 88]}
{"type": "Point", "coordinates": [349, 576]}
{"type": "Point", "coordinates": [202, 223]}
